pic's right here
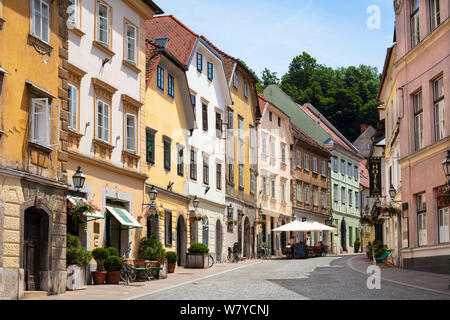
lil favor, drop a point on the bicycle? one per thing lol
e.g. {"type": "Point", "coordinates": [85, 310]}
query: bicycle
{"type": "Point", "coordinates": [263, 252]}
{"type": "Point", "coordinates": [210, 260]}
{"type": "Point", "coordinates": [233, 254]}
{"type": "Point", "coordinates": [128, 273]}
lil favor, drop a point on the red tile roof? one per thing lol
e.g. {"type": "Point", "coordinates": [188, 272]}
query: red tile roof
{"type": "Point", "coordinates": [364, 174]}
{"type": "Point", "coordinates": [301, 135]}
{"type": "Point", "coordinates": [262, 102]}
{"type": "Point", "coordinates": [181, 38]}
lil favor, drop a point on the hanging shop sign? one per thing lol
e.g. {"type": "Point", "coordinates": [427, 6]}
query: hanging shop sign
{"type": "Point", "coordinates": [375, 176]}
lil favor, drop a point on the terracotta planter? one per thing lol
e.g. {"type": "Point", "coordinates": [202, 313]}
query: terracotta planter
{"type": "Point", "coordinates": [113, 277]}
{"type": "Point", "coordinates": [171, 267]}
{"type": "Point", "coordinates": [99, 276]}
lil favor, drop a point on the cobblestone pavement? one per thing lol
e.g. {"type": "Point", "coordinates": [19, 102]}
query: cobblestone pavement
{"type": "Point", "coordinates": [316, 278]}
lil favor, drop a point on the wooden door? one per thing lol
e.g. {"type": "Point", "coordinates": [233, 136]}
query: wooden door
{"type": "Point", "coordinates": [32, 244]}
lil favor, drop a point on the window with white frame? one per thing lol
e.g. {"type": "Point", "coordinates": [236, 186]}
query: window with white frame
{"type": "Point", "coordinates": [324, 199]}
{"type": "Point", "coordinates": [180, 160]}
{"type": "Point", "coordinates": [131, 43]}
{"type": "Point", "coordinates": [299, 158]}
{"type": "Point", "coordinates": [349, 169]}
{"type": "Point", "coordinates": [264, 185]}
{"type": "Point", "coordinates": [343, 195]}
{"type": "Point", "coordinates": [170, 86]}
{"type": "Point", "coordinates": [219, 176]}
{"type": "Point", "coordinates": [130, 133]}
{"type": "Point", "coordinates": [273, 188]}
{"type": "Point", "coordinates": [350, 197]}
{"type": "Point", "coordinates": [343, 167]}
{"type": "Point", "coordinates": [335, 193]}
{"type": "Point", "coordinates": [414, 18]}
{"type": "Point", "coordinates": [44, 121]}
{"type": "Point", "coordinates": [356, 173]}
{"type": "Point", "coordinates": [103, 23]}
{"type": "Point", "coordinates": [40, 20]}
{"type": "Point", "coordinates": [299, 191]}
{"type": "Point", "coordinates": [307, 194]}
{"type": "Point", "coordinates": [435, 14]}
{"type": "Point", "coordinates": [283, 154]}
{"type": "Point", "coordinates": [205, 170]}
{"type": "Point", "coordinates": [235, 81]}
{"type": "Point", "coordinates": [316, 196]}
{"type": "Point", "coordinates": [357, 200]}
{"type": "Point", "coordinates": [443, 225]}
{"type": "Point", "coordinates": [314, 164]}
{"type": "Point", "coordinates": [103, 120]}
{"type": "Point", "coordinates": [72, 103]}
{"type": "Point", "coordinates": [335, 164]}
{"type": "Point", "coordinates": [283, 192]}
{"type": "Point", "coordinates": [245, 89]}
{"type": "Point", "coordinates": [264, 145]}
{"type": "Point", "coordinates": [306, 162]}
{"type": "Point", "coordinates": [324, 169]}
{"type": "Point", "coordinates": [160, 78]}
{"type": "Point", "coordinates": [421, 219]}
{"type": "Point", "coordinates": [439, 106]}
{"type": "Point", "coordinates": [74, 14]}
{"type": "Point", "coordinates": [272, 148]}
{"type": "Point", "coordinates": [241, 176]}
{"type": "Point", "coordinates": [252, 182]}
{"type": "Point", "coordinates": [418, 120]}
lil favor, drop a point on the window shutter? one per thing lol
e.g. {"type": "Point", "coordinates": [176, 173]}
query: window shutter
{"type": "Point", "coordinates": [39, 120]}
{"type": "Point", "coordinates": [53, 124]}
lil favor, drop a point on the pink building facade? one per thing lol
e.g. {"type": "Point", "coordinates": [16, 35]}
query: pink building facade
{"type": "Point", "coordinates": [423, 64]}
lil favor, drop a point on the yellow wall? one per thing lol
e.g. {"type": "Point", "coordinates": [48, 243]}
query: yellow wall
{"type": "Point", "coordinates": [166, 115]}
{"type": "Point", "coordinates": [244, 107]}
{"type": "Point", "coordinates": [24, 62]}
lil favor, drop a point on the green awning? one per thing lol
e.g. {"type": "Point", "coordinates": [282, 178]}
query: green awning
{"type": "Point", "coordinates": [89, 215]}
{"type": "Point", "coordinates": [124, 217]}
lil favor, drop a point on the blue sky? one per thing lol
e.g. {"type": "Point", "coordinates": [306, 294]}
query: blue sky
{"type": "Point", "coordinates": [269, 33]}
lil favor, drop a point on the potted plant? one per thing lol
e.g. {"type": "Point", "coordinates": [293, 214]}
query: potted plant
{"type": "Point", "coordinates": [100, 255]}
{"type": "Point", "coordinates": [77, 211]}
{"type": "Point", "coordinates": [113, 251]}
{"type": "Point", "coordinates": [151, 249]}
{"type": "Point", "coordinates": [113, 265]}
{"type": "Point", "coordinates": [77, 259]}
{"type": "Point", "coordinates": [231, 222]}
{"type": "Point", "coordinates": [443, 196]}
{"type": "Point", "coordinates": [197, 256]}
{"type": "Point", "coordinates": [357, 245]}
{"type": "Point", "coordinates": [172, 261]}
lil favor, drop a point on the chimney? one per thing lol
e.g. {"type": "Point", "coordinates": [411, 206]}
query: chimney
{"type": "Point", "coordinates": [364, 127]}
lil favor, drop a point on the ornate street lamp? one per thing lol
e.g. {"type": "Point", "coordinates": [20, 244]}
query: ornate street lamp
{"type": "Point", "coordinates": [153, 193]}
{"type": "Point", "coordinates": [446, 166]}
{"type": "Point", "coordinates": [230, 210]}
{"type": "Point", "coordinates": [78, 179]}
{"type": "Point", "coordinates": [195, 202]}
{"type": "Point", "coordinates": [378, 203]}
{"type": "Point", "coordinates": [392, 192]}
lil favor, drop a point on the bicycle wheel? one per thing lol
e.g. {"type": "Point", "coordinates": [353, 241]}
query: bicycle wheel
{"type": "Point", "coordinates": [132, 274]}
{"type": "Point", "coordinates": [210, 261]}
{"type": "Point", "coordinates": [124, 276]}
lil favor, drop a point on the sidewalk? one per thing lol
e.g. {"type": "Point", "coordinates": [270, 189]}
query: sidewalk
{"type": "Point", "coordinates": [125, 292]}
{"type": "Point", "coordinates": [417, 279]}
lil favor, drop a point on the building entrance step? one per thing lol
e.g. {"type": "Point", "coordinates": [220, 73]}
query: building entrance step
{"type": "Point", "coordinates": [34, 294]}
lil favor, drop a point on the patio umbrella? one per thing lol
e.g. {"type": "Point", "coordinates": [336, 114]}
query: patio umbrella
{"type": "Point", "coordinates": [303, 227]}
{"type": "Point", "coordinates": [296, 226]}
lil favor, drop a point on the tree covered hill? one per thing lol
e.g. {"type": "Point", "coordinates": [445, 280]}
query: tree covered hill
{"type": "Point", "coordinates": [345, 96]}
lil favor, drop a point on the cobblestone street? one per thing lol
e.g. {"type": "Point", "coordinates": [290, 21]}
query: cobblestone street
{"type": "Point", "coordinates": [317, 278]}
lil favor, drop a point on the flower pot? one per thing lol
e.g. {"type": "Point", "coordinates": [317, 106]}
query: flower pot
{"type": "Point", "coordinates": [197, 260]}
{"type": "Point", "coordinates": [99, 276]}
{"type": "Point", "coordinates": [171, 267]}
{"type": "Point", "coordinates": [113, 277]}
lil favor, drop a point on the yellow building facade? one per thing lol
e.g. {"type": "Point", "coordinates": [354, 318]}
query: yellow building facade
{"type": "Point", "coordinates": [169, 120]}
{"type": "Point", "coordinates": [33, 147]}
{"type": "Point", "coordinates": [241, 154]}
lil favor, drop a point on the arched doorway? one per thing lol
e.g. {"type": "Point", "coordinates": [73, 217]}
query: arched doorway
{"type": "Point", "coordinates": [219, 241]}
{"type": "Point", "coordinates": [181, 240]}
{"type": "Point", "coordinates": [36, 247]}
{"type": "Point", "coordinates": [247, 237]}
